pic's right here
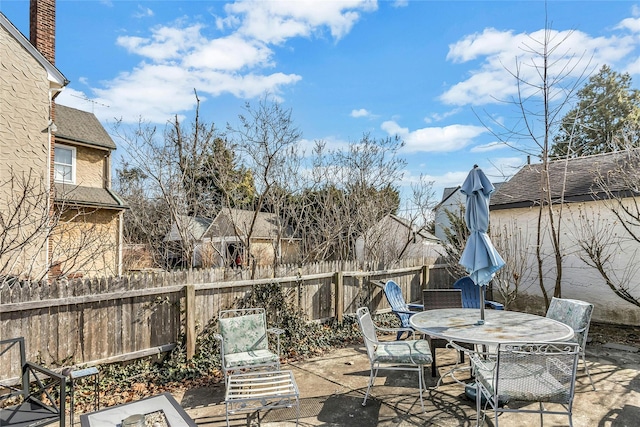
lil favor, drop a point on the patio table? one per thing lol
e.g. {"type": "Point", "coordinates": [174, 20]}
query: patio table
{"type": "Point", "coordinates": [461, 325]}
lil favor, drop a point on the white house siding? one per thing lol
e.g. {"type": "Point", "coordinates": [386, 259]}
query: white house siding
{"type": "Point", "coordinates": [454, 204]}
{"type": "Point", "coordinates": [579, 281]}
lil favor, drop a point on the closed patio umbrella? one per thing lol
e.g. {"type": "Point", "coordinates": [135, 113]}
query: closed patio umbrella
{"type": "Point", "coordinates": [480, 258]}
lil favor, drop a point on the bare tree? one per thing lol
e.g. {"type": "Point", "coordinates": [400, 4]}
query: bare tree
{"type": "Point", "coordinates": [266, 139]}
{"type": "Point", "coordinates": [406, 235]}
{"type": "Point", "coordinates": [353, 188]}
{"type": "Point", "coordinates": [601, 248]}
{"type": "Point", "coordinates": [40, 239]}
{"type": "Point", "coordinates": [509, 239]}
{"type": "Point", "coordinates": [603, 240]}
{"type": "Point", "coordinates": [25, 223]}
{"type": "Point", "coordinates": [547, 82]}
{"type": "Point", "coordinates": [177, 180]}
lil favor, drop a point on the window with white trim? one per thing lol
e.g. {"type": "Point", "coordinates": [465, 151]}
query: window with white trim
{"type": "Point", "coordinates": [64, 164]}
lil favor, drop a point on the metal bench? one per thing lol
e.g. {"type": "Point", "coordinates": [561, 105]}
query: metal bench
{"type": "Point", "coordinates": [40, 392]}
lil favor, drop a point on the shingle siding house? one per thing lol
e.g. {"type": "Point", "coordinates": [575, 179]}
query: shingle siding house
{"type": "Point", "coordinates": [27, 83]}
{"type": "Point", "coordinates": [220, 241]}
{"type": "Point", "coordinates": [515, 205]}
{"type": "Point", "coordinates": [91, 213]}
{"type": "Point", "coordinates": [50, 200]}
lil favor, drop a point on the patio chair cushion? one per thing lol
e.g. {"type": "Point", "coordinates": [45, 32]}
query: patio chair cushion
{"type": "Point", "coordinates": [574, 313]}
{"type": "Point", "coordinates": [244, 334]}
{"type": "Point", "coordinates": [408, 351]}
{"type": "Point", "coordinates": [250, 358]}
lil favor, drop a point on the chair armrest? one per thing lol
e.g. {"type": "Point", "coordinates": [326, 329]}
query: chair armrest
{"type": "Point", "coordinates": [379, 283]}
{"type": "Point", "coordinates": [416, 306]}
{"type": "Point", "coordinates": [494, 305]}
{"type": "Point", "coordinates": [400, 344]}
{"type": "Point", "coordinates": [276, 331]}
{"type": "Point", "coordinates": [34, 368]}
{"type": "Point", "coordinates": [410, 313]}
{"type": "Point", "coordinates": [381, 329]}
{"type": "Point", "coordinates": [44, 388]}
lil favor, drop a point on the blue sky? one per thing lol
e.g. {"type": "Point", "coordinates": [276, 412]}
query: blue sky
{"type": "Point", "coordinates": [424, 70]}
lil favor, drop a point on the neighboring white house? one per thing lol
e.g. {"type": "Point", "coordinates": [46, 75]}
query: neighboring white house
{"type": "Point", "coordinates": [453, 201]}
{"type": "Point", "coordinates": [516, 206]}
{"type": "Point", "coordinates": [394, 238]}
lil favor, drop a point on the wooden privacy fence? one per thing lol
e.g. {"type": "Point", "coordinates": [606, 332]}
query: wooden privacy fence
{"type": "Point", "coordinates": [68, 323]}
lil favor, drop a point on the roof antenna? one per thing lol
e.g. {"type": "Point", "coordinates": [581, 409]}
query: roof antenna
{"type": "Point", "coordinates": [93, 103]}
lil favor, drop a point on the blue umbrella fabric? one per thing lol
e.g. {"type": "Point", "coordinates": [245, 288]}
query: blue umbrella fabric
{"type": "Point", "coordinates": [480, 258]}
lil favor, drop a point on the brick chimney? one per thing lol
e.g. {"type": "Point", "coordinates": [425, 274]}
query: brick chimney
{"type": "Point", "coordinates": [42, 27]}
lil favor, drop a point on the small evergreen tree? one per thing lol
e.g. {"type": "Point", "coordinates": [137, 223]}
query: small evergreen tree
{"type": "Point", "coordinates": [607, 106]}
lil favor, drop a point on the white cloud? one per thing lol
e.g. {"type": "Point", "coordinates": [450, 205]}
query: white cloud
{"type": "Point", "coordinates": [178, 57]}
{"type": "Point", "coordinates": [165, 43]}
{"type": "Point", "coordinates": [434, 139]}
{"type": "Point", "coordinates": [143, 12]}
{"type": "Point", "coordinates": [631, 24]}
{"type": "Point", "coordinates": [277, 21]}
{"type": "Point", "coordinates": [495, 54]}
{"type": "Point", "coordinates": [360, 113]}
{"type": "Point", "coordinates": [634, 67]}
{"type": "Point", "coordinates": [229, 53]}
{"type": "Point", "coordinates": [437, 117]}
{"type": "Point", "coordinates": [492, 146]}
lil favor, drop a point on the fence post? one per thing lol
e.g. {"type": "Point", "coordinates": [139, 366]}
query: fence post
{"type": "Point", "coordinates": [339, 296]}
{"type": "Point", "coordinates": [190, 319]}
{"type": "Point", "coordinates": [425, 277]}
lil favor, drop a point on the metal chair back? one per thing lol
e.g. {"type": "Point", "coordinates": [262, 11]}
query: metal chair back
{"type": "Point", "coordinates": [527, 372]}
{"type": "Point", "coordinates": [577, 315]}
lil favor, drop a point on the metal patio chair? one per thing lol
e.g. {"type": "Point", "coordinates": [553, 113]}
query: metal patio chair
{"type": "Point", "coordinates": [42, 391]}
{"type": "Point", "coordinates": [407, 355]}
{"type": "Point", "coordinates": [244, 344]}
{"type": "Point", "coordinates": [577, 315]}
{"type": "Point", "coordinates": [544, 373]}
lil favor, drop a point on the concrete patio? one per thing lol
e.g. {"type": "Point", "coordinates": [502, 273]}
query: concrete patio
{"type": "Point", "coordinates": [332, 388]}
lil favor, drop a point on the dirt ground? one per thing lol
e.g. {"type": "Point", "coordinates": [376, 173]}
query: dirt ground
{"type": "Point", "coordinates": [601, 333]}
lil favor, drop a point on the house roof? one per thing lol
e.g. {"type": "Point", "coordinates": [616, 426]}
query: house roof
{"type": "Point", "coordinates": [447, 193]}
{"type": "Point", "coordinates": [82, 127]}
{"type": "Point", "coordinates": [197, 227]}
{"type": "Point", "coordinates": [87, 196]}
{"type": "Point", "coordinates": [265, 227]}
{"type": "Point", "coordinates": [55, 77]}
{"type": "Point", "coordinates": [523, 189]}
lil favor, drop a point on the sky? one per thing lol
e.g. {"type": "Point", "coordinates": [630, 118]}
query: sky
{"type": "Point", "coordinates": [438, 74]}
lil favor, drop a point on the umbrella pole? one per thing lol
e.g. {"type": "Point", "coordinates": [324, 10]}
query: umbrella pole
{"type": "Point", "coordinates": [481, 321]}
